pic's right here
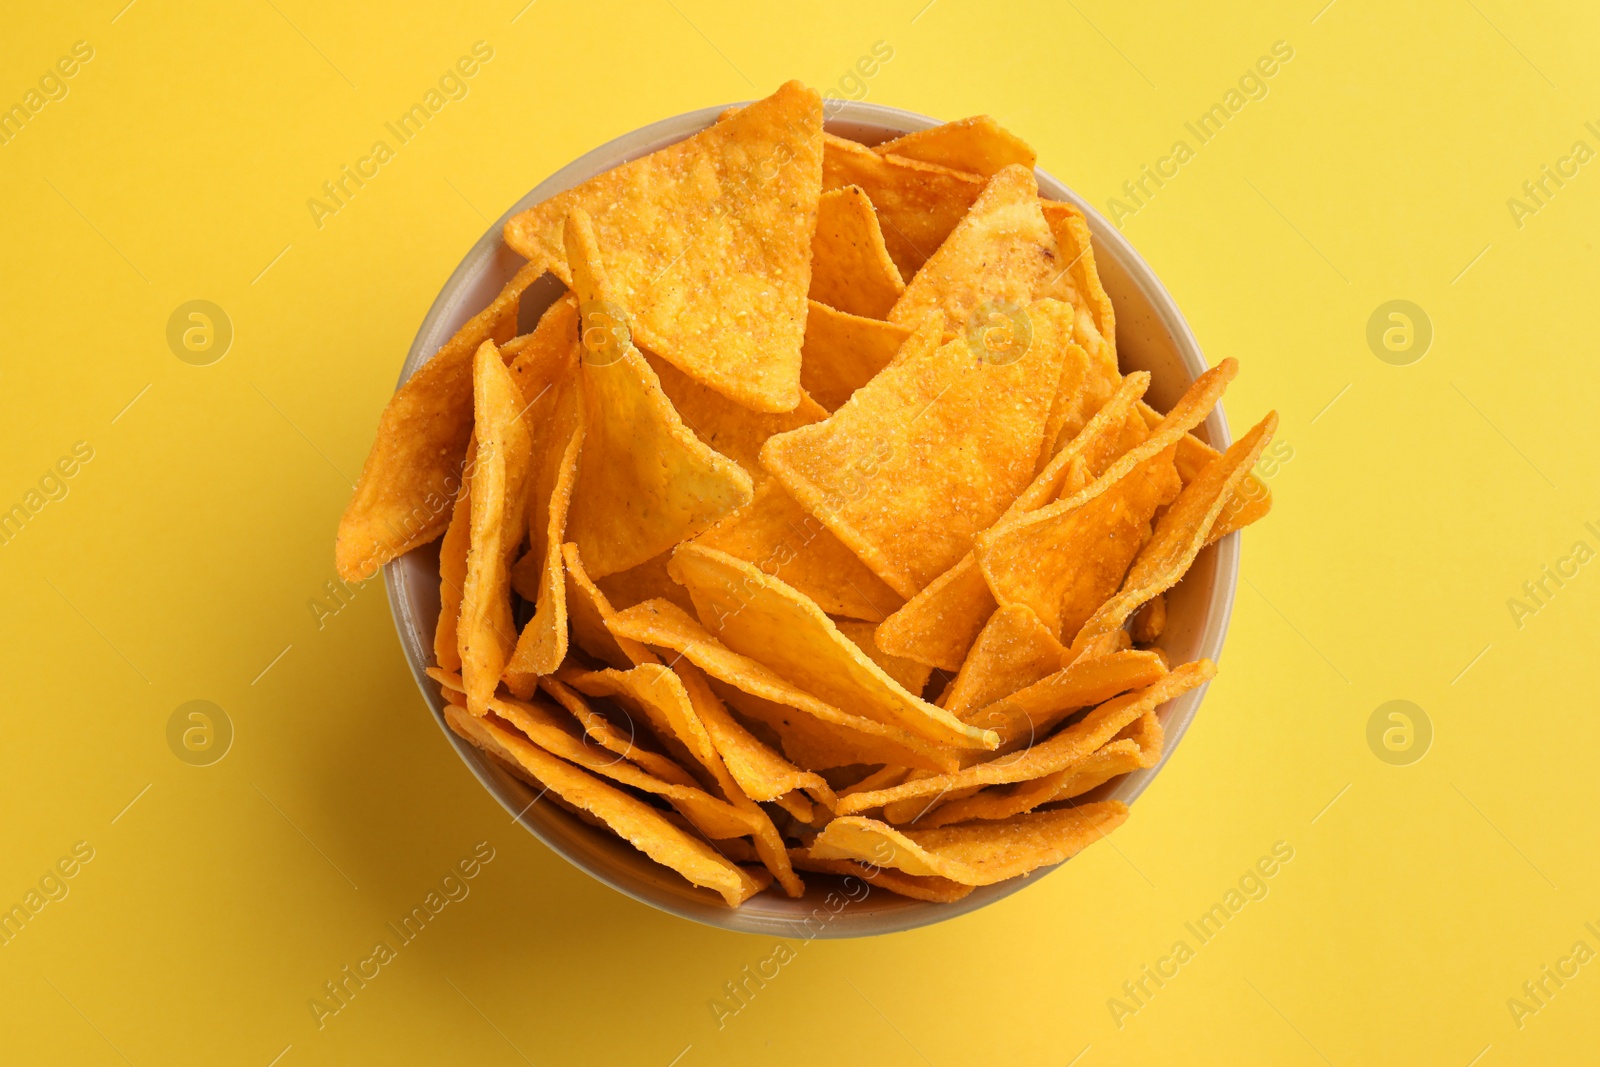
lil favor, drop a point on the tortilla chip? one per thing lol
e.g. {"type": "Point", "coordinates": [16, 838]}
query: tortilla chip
{"type": "Point", "coordinates": [1096, 319]}
{"type": "Point", "coordinates": [850, 266]}
{"type": "Point", "coordinates": [645, 481]}
{"type": "Point", "coordinates": [1050, 755]}
{"type": "Point", "coordinates": [1024, 715]}
{"type": "Point", "coordinates": [779, 536]}
{"type": "Point", "coordinates": [1002, 802]}
{"type": "Point", "coordinates": [1249, 502]}
{"type": "Point", "coordinates": [1150, 620]}
{"type": "Point", "coordinates": [1000, 255]}
{"type": "Point", "coordinates": [1014, 650]}
{"type": "Point", "coordinates": [911, 675]}
{"type": "Point", "coordinates": [977, 145]}
{"type": "Point", "coordinates": [709, 241]}
{"type": "Point", "coordinates": [452, 574]}
{"type": "Point", "coordinates": [761, 617]}
{"type": "Point", "coordinates": [925, 456]}
{"type": "Point", "coordinates": [934, 890]}
{"type": "Point", "coordinates": [678, 709]}
{"type": "Point", "coordinates": [543, 359]}
{"type": "Point", "coordinates": [602, 732]}
{"type": "Point", "coordinates": [918, 204]}
{"type": "Point", "coordinates": [840, 738]}
{"type": "Point", "coordinates": [735, 431]}
{"type": "Point", "coordinates": [1179, 534]}
{"type": "Point", "coordinates": [978, 853]}
{"type": "Point", "coordinates": [1065, 559]}
{"type": "Point", "coordinates": [543, 725]}
{"type": "Point", "coordinates": [409, 482]}
{"type": "Point", "coordinates": [633, 820]}
{"type": "Point", "coordinates": [882, 778]}
{"type": "Point", "coordinates": [939, 624]}
{"type": "Point", "coordinates": [843, 352]}
{"type": "Point", "coordinates": [486, 630]}
{"type": "Point", "coordinates": [542, 644]}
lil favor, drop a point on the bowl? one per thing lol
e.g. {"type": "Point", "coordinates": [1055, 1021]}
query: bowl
{"type": "Point", "coordinates": [1151, 335]}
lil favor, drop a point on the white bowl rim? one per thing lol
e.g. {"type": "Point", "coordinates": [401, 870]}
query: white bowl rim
{"type": "Point", "coordinates": [900, 914]}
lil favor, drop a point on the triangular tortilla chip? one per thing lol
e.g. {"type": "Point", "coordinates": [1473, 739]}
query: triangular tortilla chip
{"type": "Point", "coordinates": [1096, 319]}
{"type": "Point", "coordinates": [1248, 502]}
{"type": "Point", "coordinates": [647, 581]}
{"type": "Point", "coordinates": [913, 676]}
{"type": "Point", "coordinates": [729, 428]}
{"type": "Point", "coordinates": [1064, 560]}
{"type": "Point", "coordinates": [939, 624]}
{"type": "Point", "coordinates": [978, 853]}
{"type": "Point", "coordinates": [759, 616]}
{"type": "Point", "coordinates": [709, 242]}
{"type": "Point", "coordinates": [1179, 534]}
{"type": "Point", "coordinates": [487, 632]}
{"type": "Point", "coordinates": [634, 820]}
{"type": "Point", "coordinates": [544, 726]}
{"type": "Point", "coordinates": [542, 644]}
{"type": "Point", "coordinates": [843, 352]}
{"type": "Point", "coordinates": [677, 709]}
{"type": "Point", "coordinates": [645, 482]}
{"type": "Point", "coordinates": [1000, 254]}
{"type": "Point", "coordinates": [934, 890]}
{"type": "Point", "coordinates": [976, 145]}
{"type": "Point", "coordinates": [926, 455]}
{"type": "Point", "coordinates": [776, 534]}
{"type": "Point", "coordinates": [918, 204]}
{"type": "Point", "coordinates": [590, 611]}
{"type": "Point", "coordinates": [1025, 715]}
{"type": "Point", "coordinates": [1062, 749]}
{"type": "Point", "coordinates": [1002, 802]}
{"type": "Point", "coordinates": [453, 574]}
{"type": "Point", "coordinates": [607, 735]}
{"type": "Point", "coordinates": [1013, 651]}
{"type": "Point", "coordinates": [791, 711]}
{"type": "Point", "coordinates": [410, 479]}
{"type": "Point", "coordinates": [850, 267]}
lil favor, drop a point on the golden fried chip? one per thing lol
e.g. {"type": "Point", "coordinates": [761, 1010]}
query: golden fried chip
{"type": "Point", "coordinates": [409, 481]}
{"type": "Point", "coordinates": [821, 734]}
{"type": "Point", "coordinates": [453, 573]}
{"type": "Point", "coordinates": [542, 644]}
{"type": "Point", "coordinates": [1096, 320]}
{"type": "Point", "coordinates": [918, 204]}
{"type": "Point", "coordinates": [487, 632]}
{"type": "Point", "coordinates": [843, 352]}
{"type": "Point", "coordinates": [776, 534]}
{"type": "Point", "coordinates": [1250, 501]}
{"type": "Point", "coordinates": [602, 731]}
{"type": "Point", "coordinates": [633, 820]}
{"type": "Point", "coordinates": [761, 617]}
{"type": "Point", "coordinates": [850, 266]}
{"type": "Point", "coordinates": [1150, 620]}
{"type": "Point", "coordinates": [733, 430]}
{"type": "Point", "coordinates": [709, 241]}
{"type": "Point", "coordinates": [678, 708]}
{"type": "Point", "coordinates": [1050, 755]}
{"type": "Point", "coordinates": [542, 725]}
{"type": "Point", "coordinates": [589, 610]}
{"type": "Point", "coordinates": [543, 359]}
{"type": "Point", "coordinates": [1002, 802]}
{"type": "Point", "coordinates": [1066, 558]}
{"type": "Point", "coordinates": [974, 854]}
{"type": "Point", "coordinates": [999, 256]}
{"type": "Point", "coordinates": [976, 145]}
{"type": "Point", "coordinates": [1013, 651]}
{"type": "Point", "coordinates": [645, 481]}
{"type": "Point", "coordinates": [925, 456]}
{"type": "Point", "coordinates": [1027, 714]}
{"type": "Point", "coordinates": [911, 675]}
{"type": "Point", "coordinates": [1179, 534]}
{"type": "Point", "coordinates": [935, 890]}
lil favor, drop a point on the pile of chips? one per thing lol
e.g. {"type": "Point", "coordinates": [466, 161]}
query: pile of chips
{"type": "Point", "coordinates": [815, 528]}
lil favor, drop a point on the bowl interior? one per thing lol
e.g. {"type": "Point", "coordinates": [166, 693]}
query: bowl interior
{"type": "Point", "coordinates": [1151, 335]}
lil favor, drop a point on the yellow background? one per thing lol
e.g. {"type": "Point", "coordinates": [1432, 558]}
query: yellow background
{"type": "Point", "coordinates": [182, 560]}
